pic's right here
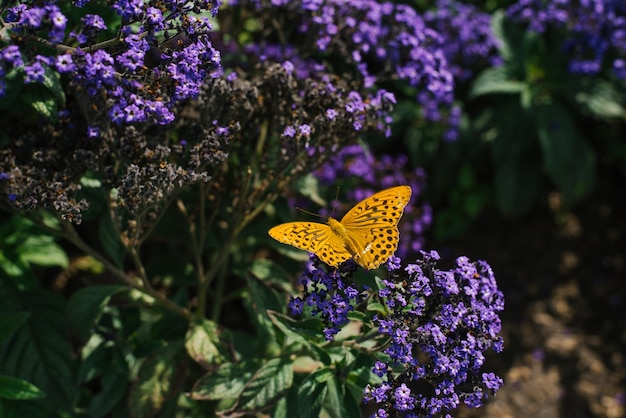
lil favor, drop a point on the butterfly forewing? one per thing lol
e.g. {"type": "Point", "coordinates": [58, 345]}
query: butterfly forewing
{"type": "Point", "coordinates": [384, 208]}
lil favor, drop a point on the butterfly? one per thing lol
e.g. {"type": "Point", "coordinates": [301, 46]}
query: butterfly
{"type": "Point", "coordinates": [368, 233]}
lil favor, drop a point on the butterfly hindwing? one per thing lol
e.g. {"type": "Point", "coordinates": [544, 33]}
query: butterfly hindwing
{"type": "Point", "coordinates": [333, 252]}
{"type": "Point", "coordinates": [313, 237]}
{"type": "Point", "coordinates": [374, 246]}
{"type": "Point", "coordinates": [384, 208]}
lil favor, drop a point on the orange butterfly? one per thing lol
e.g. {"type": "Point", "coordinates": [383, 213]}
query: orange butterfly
{"type": "Point", "coordinates": [368, 233]}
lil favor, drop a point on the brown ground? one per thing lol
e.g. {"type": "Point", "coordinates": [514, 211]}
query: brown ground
{"type": "Point", "coordinates": [563, 274]}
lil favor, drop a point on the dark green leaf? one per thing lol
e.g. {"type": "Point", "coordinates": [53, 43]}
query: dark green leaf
{"type": "Point", "coordinates": [11, 322]}
{"type": "Point", "coordinates": [39, 351]}
{"type": "Point", "coordinates": [13, 388]}
{"type": "Point", "coordinates": [263, 298]}
{"type": "Point", "coordinates": [601, 98]}
{"type": "Point", "coordinates": [269, 272]}
{"type": "Point", "coordinates": [23, 409]}
{"type": "Point", "coordinates": [202, 343]}
{"type": "Point", "coordinates": [112, 389]}
{"type": "Point", "coordinates": [305, 330]}
{"type": "Point", "coordinates": [155, 382]}
{"type": "Point", "coordinates": [269, 383]}
{"type": "Point", "coordinates": [334, 399]}
{"type": "Point", "coordinates": [110, 241]}
{"type": "Point", "coordinates": [42, 251]}
{"type": "Point", "coordinates": [309, 187]}
{"type": "Point", "coordinates": [312, 392]}
{"type": "Point", "coordinates": [568, 158]}
{"type": "Point", "coordinates": [494, 80]}
{"type": "Point", "coordinates": [357, 316]}
{"type": "Point", "coordinates": [517, 183]}
{"type": "Point", "coordinates": [41, 100]}
{"type": "Point", "coordinates": [96, 362]}
{"type": "Point", "coordinates": [228, 381]}
{"type": "Point", "coordinates": [85, 307]}
{"type": "Point", "coordinates": [350, 405]}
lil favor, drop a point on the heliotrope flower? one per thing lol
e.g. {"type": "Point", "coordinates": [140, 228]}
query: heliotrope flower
{"type": "Point", "coordinates": [437, 326]}
{"type": "Point", "coordinates": [595, 31]}
{"type": "Point", "coordinates": [114, 73]}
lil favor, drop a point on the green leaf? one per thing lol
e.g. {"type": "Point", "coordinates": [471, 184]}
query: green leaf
{"type": "Point", "coordinates": [600, 98]}
{"type": "Point", "coordinates": [309, 187]}
{"type": "Point", "coordinates": [12, 388]}
{"type": "Point", "coordinates": [351, 408]}
{"type": "Point", "coordinates": [261, 299]}
{"type": "Point", "coordinates": [42, 251]}
{"type": "Point", "coordinates": [517, 183]}
{"type": "Point", "coordinates": [568, 158]}
{"type": "Point", "coordinates": [494, 80]}
{"type": "Point", "coordinates": [14, 83]}
{"type": "Point", "coordinates": [22, 409]}
{"type": "Point", "coordinates": [112, 389]}
{"type": "Point", "coordinates": [85, 307]}
{"type": "Point", "coordinates": [227, 381]}
{"type": "Point", "coordinates": [41, 101]}
{"type": "Point", "coordinates": [202, 343]}
{"type": "Point", "coordinates": [312, 392]}
{"type": "Point", "coordinates": [377, 307]}
{"type": "Point", "coordinates": [110, 241]}
{"type": "Point", "coordinates": [268, 271]}
{"type": "Point", "coordinates": [306, 331]}
{"type": "Point", "coordinates": [95, 361]}
{"type": "Point", "coordinates": [155, 382]}
{"type": "Point", "coordinates": [39, 351]}
{"type": "Point", "coordinates": [334, 399]}
{"type": "Point", "coordinates": [11, 322]}
{"type": "Point", "coordinates": [47, 97]}
{"type": "Point", "coordinates": [269, 383]}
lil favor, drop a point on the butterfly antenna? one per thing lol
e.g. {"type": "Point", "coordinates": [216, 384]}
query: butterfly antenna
{"type": "Point", "coordinates": [332, 212]}
{"type": "Point", "coordinates": [309, 213]}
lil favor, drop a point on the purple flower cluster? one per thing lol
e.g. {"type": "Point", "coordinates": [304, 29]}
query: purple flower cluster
{"type": "Point", "coordinates": [434, 333]}
{"type": "Point", "coordinates": [161, 55]}
{"type": "Point", "coordinates": [468, 44]}
{"type": "Point", "coordinates": [328, 294]}
{"type": "Point", "coordinates": [381, 40]}
{"type": "Point", "coordinates": [355, 162]}
{"type": "Point", "coordinates": [594, 30]}
{"type": "Point", "coordinates": [439, 325]}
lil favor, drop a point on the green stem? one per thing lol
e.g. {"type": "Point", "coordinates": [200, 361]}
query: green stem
{"type": "Point", "coordinates": [69, 233]}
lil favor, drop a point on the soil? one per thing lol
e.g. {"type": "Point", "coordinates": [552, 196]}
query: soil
{"type": "Point", "coordinates": [563, 274]}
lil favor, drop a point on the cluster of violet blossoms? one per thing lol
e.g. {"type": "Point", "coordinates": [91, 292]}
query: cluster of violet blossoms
{"type": "Point", "coordinates": [469, 45]}
{"type": "Point", "coordinates": [160, 56]}
{"type": "Point", "coordinates": [438, 325]}
{"type": "Point", "coordinates": [381, 40]}
{"type": "Point", "coordinates": [378, 173]}
{"type": "Point", "coordinates": [386, 41]}
{"type": "Point", "coordinates": [595, 30]}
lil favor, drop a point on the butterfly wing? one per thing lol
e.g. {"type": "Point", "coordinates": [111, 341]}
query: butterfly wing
{"type": "Point", "coordinates": [373, 246]}
{"type": "Point", "coordinates": [313, 237]}
{"type": "Point", "coordinates": [384, 208]}
{"type": "Point", "coordinates": [371, 226]}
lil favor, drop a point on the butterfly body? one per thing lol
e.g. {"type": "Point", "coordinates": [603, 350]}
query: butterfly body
{"type": "Point", "coordinates": [368, 233]}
